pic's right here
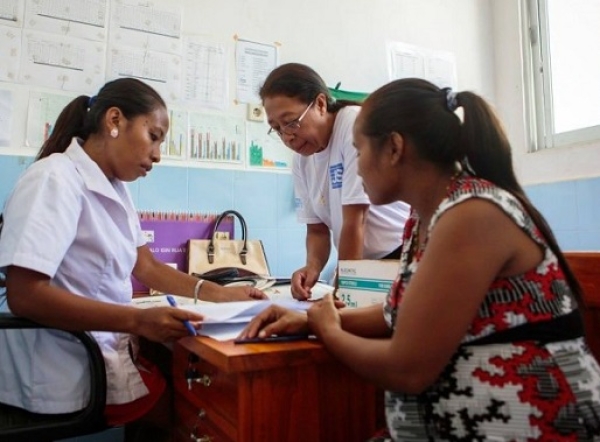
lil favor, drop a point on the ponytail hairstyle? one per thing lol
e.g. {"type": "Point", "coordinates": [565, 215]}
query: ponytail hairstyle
{"type": "Point", "coordinates": [83, 116]}
{"type": "Point", "coordinates": [424, 114]}
{"type": "Point", "coordinates": [299, 81]}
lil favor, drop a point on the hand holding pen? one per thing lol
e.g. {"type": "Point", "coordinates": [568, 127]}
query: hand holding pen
{"type": "Point", "coordinates": [186, 323]}
{"type": "Point", "coordinates": [164, 324]}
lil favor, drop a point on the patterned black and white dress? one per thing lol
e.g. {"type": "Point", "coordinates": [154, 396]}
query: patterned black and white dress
{"type": "Point", "coordinates": [502, 389]}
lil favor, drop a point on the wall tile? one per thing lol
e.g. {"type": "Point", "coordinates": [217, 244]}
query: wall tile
{"type": "Point", "coordinates": [291, 250]}
{"type": "Point", "coordinates": [589, 239]}
{"type": "Point", "coordinates": [568, 239]}
{"type": "Point", "coordinates": [164, 189]}
{"type": "Point", "coordinates": [210, 190]}
{"type": "Point", "coordinates": [11, 168]}
{"type": "Point", "coordinates": [255, 197]}
{"type": "Point", "coordinates": [286, 211]}
{"type": "Point", "coordinates": [560, 205]}
{"type": "Point", "coordinates": [588, 203]}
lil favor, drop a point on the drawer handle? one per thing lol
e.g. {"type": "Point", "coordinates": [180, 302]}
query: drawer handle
{"type": "Point", "coordinates": [205, 380]}
{"type": "Point", "coordinates": [192, 375]}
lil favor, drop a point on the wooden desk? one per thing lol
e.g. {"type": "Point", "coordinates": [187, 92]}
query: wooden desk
{"type": "Point", "coordinates": [586, 267]}
{"type": "Point", "coordinates": [279, 392]}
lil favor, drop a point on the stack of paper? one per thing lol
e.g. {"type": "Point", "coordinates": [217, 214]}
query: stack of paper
{"type": "Point", "coordinates": [226, 320]}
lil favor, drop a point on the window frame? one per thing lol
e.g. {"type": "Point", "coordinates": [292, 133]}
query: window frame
{"type": "Point", "coordinates": [538, 75]}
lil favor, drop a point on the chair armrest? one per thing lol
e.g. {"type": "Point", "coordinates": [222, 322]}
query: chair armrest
{"type": "Point", "coordinates": [92, 416]}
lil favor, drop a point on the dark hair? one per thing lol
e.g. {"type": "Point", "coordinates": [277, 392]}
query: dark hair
{"type": "Point", "coordinates": [83, 116]}
{"type": "Point", "coordinates": [297, 80]}
{"type": "Point", "coordinates": [420, 112]}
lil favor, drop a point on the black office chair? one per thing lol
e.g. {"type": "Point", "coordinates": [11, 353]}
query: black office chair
{"type": "Point", "coordinates": [18, 425]}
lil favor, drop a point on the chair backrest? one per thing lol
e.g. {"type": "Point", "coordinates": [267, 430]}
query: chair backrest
{"type": "Point", "coordinates": [586, 267]}
{"type": "Point", "coordinates": [49, 427]}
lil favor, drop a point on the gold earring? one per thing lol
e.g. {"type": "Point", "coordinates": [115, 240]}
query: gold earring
{"type": "Point", "coordinates": [114, 132]}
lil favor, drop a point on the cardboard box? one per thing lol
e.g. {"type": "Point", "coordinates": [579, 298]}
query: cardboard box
{"type": "Point", "coordinates": [365, 282]}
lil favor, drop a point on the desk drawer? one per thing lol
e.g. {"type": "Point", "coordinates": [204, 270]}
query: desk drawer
{"type": "Point", "coordinates": [211, 388]}
{"type": "Point", "coordinates": [200, 424]}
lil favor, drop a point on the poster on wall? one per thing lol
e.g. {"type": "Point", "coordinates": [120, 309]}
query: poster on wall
{"type": "Point", "coordinates": [62, 62]}
{"type": "Point", "coordinates": [12, 13]}
{"type": "Point", "coordinates": [216, 138]}
{"type": "Point", "coordinates": [6, 112]}
{"type": "Point", "coordinates": [158, 69]}
{"type": "Point", "coordinates": [82, 18]}
{"type": "Point", "coordinates": [43, 110]}
{"type": "Point", "coordinates": [175, 145]}
{"type": "Point", "coordinates": [264, 150]}
{"type": "Point", "coordinates": [10, 53]}
{"type": "Point", "coordinates": [142, 25]}
{"type": "Point", "coordinates": [407, 61]}
{"type": "Point", "coordinates": [253, 62]}
{"type": "Point", "coordinates": [205, 77]}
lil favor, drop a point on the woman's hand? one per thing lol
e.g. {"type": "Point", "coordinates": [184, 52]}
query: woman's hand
{"type": "Point", "coordinates": [276, 320]}
{"type": "Point", "coordinates": [162, 324]}
{"type": "Point", "coordinates": [241, 294]}
{"type": "Point", "coordinates": [324, 316]}
{"type": "Point", "coordinates": [302, 281]}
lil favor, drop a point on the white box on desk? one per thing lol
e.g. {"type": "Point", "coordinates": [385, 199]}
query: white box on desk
{"type": "Point", "coordinates": [365, 282]}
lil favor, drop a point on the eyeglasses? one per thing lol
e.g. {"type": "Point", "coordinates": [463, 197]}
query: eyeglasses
{"type": "Point", "coordinates": [292, 127]}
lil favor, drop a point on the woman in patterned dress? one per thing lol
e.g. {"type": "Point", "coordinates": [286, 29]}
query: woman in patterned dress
{"type": "Point", "coordinates": [480, 338]}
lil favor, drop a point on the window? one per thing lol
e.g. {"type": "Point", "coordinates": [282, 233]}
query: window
{"type": "Point", "coordinates": [563, 45]}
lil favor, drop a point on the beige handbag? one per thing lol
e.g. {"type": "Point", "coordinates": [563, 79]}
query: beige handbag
{"type": "Point", "coordinates": [217, 259]}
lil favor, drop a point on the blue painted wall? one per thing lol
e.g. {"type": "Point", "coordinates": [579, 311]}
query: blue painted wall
{"type": "Point", "coordinates": [266, 200]}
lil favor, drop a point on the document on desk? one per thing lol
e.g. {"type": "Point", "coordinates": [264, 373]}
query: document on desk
{"type": "Point", "coordinates": [226, 320]}
{"type": "Point", "coordinates": [159, 301]}
{"type": "Point", "coordinates": [280, 292]}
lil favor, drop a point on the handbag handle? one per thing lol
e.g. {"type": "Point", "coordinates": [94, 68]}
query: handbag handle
{"type": "Point", "coordinates": [211, 245]}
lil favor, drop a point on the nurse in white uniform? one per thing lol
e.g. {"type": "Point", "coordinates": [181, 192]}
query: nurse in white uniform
{"type": "Point", "coordinates": [71, 241]}
{"type": "Point", "coordinates": [330, 198]}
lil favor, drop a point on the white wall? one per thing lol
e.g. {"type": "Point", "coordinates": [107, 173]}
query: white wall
{"type": "Point", "coordinates": [344, 40]}
{"type": "Point", "coordinates": [549, 165]}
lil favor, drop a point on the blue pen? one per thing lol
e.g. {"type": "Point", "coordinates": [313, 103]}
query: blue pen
{"type": "Point", "coordinates": [187, 324]}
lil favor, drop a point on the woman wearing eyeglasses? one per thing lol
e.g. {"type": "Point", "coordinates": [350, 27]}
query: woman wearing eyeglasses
{"type": "Point", "coordinates": [330, 198]}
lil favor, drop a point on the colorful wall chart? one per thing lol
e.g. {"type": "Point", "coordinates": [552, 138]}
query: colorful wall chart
{"type": "Point", "coordinates": [264, 150]}
{"type": "Point", "coordinates": [216, 138]}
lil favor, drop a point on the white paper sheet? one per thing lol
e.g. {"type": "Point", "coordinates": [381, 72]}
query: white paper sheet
{"type": "Point", "coordinates": [226, 320]}
{"type": "Point", "coordinates": [205, 73]}
{"type": "Point", "coordinates": [82, 18]}
{"type": "Point", "coordinates": [253, 63]}
{"type": "Point", "coordinates": [12, 12]}
{"type": "Point", "coordinates": [160, 301]}
{"type": "Point", "coordinates": [241, 311]}
{"type": "Point", "coordinates": [282, 292]}
{"type": "Point", "coordinates": [6, 112]}
{"type": "Point", "coordinates": [62, 62]}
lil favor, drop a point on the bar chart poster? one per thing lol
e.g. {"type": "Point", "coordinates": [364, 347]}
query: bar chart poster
{"type": "Point", "coordinates": [216, 138]}
{"type": "Point", "coordinates": [175, 146]}
{"type": "Point", "coordinates": [43, 110]}
{"type": "Point", "coordinates": [266, 150]}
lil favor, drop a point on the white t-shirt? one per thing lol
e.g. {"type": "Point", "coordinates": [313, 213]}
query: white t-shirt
{"type": "Point", "coordinates": [65, 219]}
{"type": "Point", "coordinates": [328, 180]}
